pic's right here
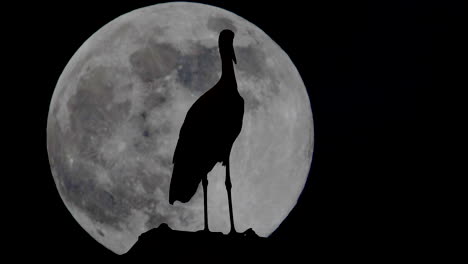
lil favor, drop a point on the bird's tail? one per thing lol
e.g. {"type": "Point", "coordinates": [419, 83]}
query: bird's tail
{"type": "Point", "coordinates": [184, 184]}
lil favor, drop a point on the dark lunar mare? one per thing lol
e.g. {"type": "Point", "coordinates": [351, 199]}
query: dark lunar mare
{"type": "Point", "coordinates": [91, 125]}
{"type": "Point", "coordinates": [209, 130]}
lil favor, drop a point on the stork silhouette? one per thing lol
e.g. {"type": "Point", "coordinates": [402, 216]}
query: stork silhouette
{"type": "Point", "coordinates": [209, 130]}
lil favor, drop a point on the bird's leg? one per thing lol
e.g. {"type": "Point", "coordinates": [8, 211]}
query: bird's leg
{"type": "Point", "coordinates": [228, 188]}
{"type": "Point", "coordinates": [205, 195]}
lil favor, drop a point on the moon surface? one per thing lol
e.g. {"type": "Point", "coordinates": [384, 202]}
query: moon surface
{"type": "Point", "coordinates": [118, 106]}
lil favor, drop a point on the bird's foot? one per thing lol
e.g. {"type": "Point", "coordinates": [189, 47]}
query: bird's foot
{"type": "Point", "coordinates": [233, 233]}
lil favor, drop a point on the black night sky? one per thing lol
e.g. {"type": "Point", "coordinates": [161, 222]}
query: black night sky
{"type": "Point", "coordinates": [367, 67]}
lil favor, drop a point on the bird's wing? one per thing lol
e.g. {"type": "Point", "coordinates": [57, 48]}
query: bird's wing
{"type": "Point", "coordinates": [195, 131]}
{"type": "Point", "coordinates": [192, 159]}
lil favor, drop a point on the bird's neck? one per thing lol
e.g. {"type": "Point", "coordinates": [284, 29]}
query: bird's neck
{"type": "Point", "coordinates": [227, 69]}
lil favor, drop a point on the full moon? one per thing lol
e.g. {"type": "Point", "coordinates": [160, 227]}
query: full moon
{"type": "Point", "coordinates": [118, 106]}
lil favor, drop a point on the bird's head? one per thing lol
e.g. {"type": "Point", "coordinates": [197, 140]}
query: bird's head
{"type": "Point", "coordinates": [225, 42]}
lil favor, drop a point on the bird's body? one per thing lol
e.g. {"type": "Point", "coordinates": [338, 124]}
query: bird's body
{"type": "Point", "coordinates": [209, 130]}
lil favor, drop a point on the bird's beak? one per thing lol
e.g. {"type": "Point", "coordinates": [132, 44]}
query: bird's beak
{"type": "Point", "coordinates": [234, 56]}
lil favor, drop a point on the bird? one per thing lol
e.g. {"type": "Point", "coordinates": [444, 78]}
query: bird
{"type": "Point", "coordinates": [208, 132]}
